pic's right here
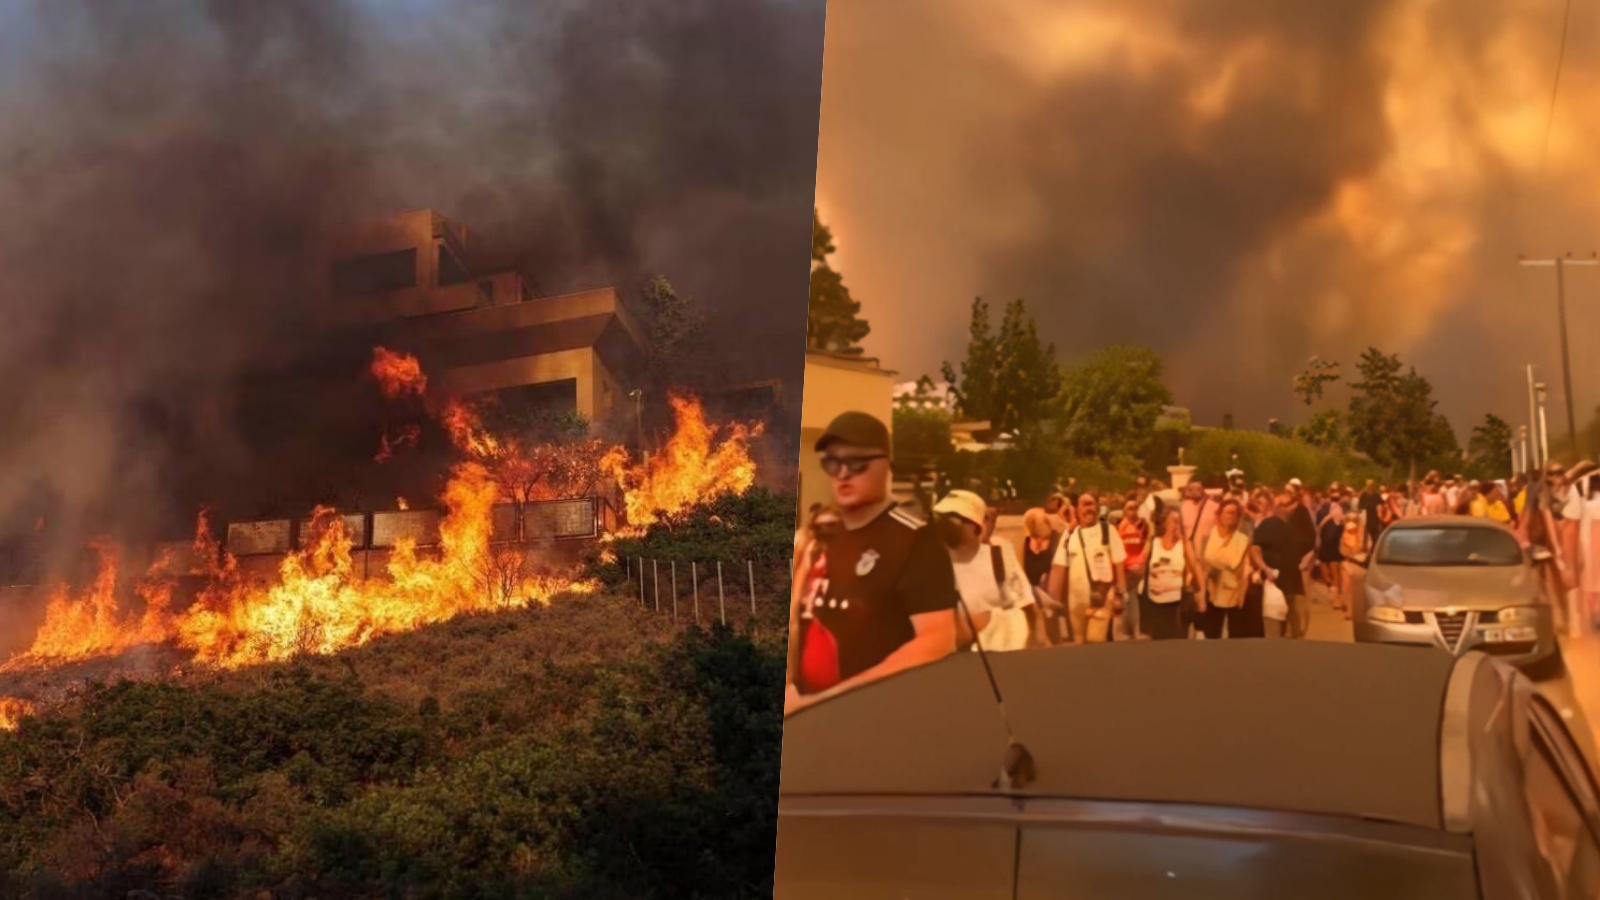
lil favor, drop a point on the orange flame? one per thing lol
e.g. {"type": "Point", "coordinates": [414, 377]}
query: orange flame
{"type": "Point", "coordinates": [691, 469]}
{"type": "Point", "coordinates": [12, 711]}
{"type": "Point", "coordinates": [397, 374]}
{"type": "Point", "coordinates": [407, 437]}
{"type": "Point", "coordinates": [467, 431]}
{"type": "Point", "coordinates": [401, 503]}
{"type": "Point", "coordinates": [318, 602]}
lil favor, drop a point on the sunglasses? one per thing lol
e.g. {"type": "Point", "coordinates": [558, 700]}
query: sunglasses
{"type": "Point", "coordinates": [850, 466]}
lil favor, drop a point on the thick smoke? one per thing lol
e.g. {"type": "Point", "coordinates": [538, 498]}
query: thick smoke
{"type": "Point", "coordinates": [167, 172]}
{"type": "Point", "coordinates": [1238, 183]}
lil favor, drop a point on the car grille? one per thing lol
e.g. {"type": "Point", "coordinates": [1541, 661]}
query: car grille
{"type": "Point", "coordinates": [1450, 628]}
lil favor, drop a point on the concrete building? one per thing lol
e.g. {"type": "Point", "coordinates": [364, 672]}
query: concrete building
{"type": "Point", "coordinates": [417, 281]}
{"type": "Point", "coordinates": [836, 384]}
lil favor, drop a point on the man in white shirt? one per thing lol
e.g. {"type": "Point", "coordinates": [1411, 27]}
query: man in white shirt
{"type": "Point", "coordinates": [1001, 602]}
{"type": "Point", "coordinates": [1089, 562]}
{"type": "Point", "coordinates": [1199, 511]}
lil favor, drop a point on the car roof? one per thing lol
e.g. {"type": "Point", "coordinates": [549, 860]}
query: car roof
{"type": "Point", "coordinates": [1302, 726]}
{"type": "Point", "coordinates": [1448, 522]}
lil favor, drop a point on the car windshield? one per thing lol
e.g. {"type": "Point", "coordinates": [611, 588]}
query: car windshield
{"type": "Point", "coordinates": [1449, 546]}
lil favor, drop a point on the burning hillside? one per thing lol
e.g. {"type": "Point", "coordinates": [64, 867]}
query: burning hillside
{"type": "Point", "coordinates": [319, 602]}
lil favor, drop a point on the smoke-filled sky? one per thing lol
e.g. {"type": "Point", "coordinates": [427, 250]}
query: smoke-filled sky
{"type": "Point", "coordinates": [1240, 184]}
{"type": "Point", "coordinates": [167, 168]}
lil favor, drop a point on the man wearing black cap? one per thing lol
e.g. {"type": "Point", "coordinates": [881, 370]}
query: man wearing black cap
{"type": "Point", "coordinates": [887, 598]}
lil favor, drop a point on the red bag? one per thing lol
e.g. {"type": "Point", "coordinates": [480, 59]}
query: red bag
{"type": "Point", "coordinates": [819, 658]}
{"type": "Point", "coordinates": [819, 649]}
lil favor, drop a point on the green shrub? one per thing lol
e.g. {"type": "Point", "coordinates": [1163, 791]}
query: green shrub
{"type": "Point", "coordinates": [1272, 460]}
{"type": "Point", "coordinates": [638, 769]}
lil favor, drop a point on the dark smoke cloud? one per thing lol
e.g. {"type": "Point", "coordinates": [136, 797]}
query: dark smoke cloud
{"type": "Point", "coordinates": [167, 171]}
{"type": "Point", "coordinates": [1365, 176]}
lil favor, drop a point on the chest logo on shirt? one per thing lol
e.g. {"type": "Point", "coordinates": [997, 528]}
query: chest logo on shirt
{"type": "Point", "coordinates": [864, 565]}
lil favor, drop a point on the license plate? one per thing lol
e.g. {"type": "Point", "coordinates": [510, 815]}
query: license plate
{"type": "Point", "coordinates": [1509, 635]}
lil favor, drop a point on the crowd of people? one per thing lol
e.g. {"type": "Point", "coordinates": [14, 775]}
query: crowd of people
{"type": "Point", "coordinates": [879, 588]}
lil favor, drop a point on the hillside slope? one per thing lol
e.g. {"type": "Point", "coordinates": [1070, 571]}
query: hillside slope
{"type": "Point", "coordinates": [586, 749]}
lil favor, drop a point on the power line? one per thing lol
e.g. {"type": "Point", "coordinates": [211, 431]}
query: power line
{"type": "Point", "coordinates": [1555, 87]}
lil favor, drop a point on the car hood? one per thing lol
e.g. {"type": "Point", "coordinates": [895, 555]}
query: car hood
{"type": "Point", "coordinates": [1462, 587]}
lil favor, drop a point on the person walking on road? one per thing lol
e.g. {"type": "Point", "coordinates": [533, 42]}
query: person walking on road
{"type": "Point", "coordinates": [1282, 551]}
{"type": "Point", "coordinates": [880, 597]}
{"type": "Point", "coordinates": [1000, 610]}
{"type": "Point", "coordinates": [1088, 575]}
{"type": "Point", "coordinates": [1172, 581]}
{"type": "Point", "coordinates": [1038, 554]}
{"type": "Point", "coordinates": [1135, 534]}
{"type": "Point", "coordinates": [1225, 557]}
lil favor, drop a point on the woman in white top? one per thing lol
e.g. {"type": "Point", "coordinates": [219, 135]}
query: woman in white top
{"type": "Point", "coordinates": [1171, 561]}
{"type": "Point", "coordinates": [1225, 556]}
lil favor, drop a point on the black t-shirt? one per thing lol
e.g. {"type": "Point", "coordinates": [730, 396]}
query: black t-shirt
{"type": "Point", "coordinates": [879, 576]}
{"type": "Point", "coordinates": [1300, 519]}
{"type": "Point", "coordinates": [1369, 504]}
{"type": "Point", "coordinates": [1037, 565]}
{"type": "Point", "coordinates": [1283, 545]}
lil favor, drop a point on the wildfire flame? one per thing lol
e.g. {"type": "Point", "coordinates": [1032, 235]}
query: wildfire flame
{"type": "Point", "coordinates": [407, 436]}
{"type": "Point", "coordinates": [398, 374]}
{"type": "Point", "coordinates": [320, 602]}
{"type": "Point", "coordinates": [12, 711]}
{"type": "Point", "coordinates": [691, 469]}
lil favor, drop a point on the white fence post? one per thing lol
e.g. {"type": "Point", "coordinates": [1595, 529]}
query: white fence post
{"type": "Point", "coordinates": [752, 569]}
{"type": "Point", "coordinates": [655, 575]}
{"type": "Point", "coordinates": [722, 603]}
{"type": "Point", "coordinates": [694, 577]}
{"type": "Point", "coordinates": [674, 591]}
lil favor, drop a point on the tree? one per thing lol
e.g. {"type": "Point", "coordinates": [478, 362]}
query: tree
{"type": "Point", "coordinates": [1326, 429]}
{"type": "Point", "coordinates": [1319, 373]}
{"type": "Point", "coordinates": [1009, 380]}
{"type": "Point", "coordinates": [921, 436]}
{"type": "Point", "coordinates": [674, 326]}
{"type": "Point", "coordinates": [1110, 404]}
{"type": "Point", "coordinates": [1393, 417]}
{"type": "Point", "coordinates": [833, 321]}
{"type": "Point", "coordinates": [1489, 448]}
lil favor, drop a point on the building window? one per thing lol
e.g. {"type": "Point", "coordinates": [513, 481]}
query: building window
{"type": "Point", "coordinates": [451, 271]}
{"type": "Point", "coordinates": [376, 274]}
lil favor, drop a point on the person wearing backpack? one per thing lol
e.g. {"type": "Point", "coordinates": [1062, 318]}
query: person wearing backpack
{"type": "Point", "coordinates": [1088, 574]}
{"type": "Point", "coordinates": [989, 578]}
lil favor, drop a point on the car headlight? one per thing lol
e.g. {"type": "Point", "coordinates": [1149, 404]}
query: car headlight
{"type": "Point", "coordinates": [1517, 614]}
{"type": "Point", "coordinates": [1387, 614]}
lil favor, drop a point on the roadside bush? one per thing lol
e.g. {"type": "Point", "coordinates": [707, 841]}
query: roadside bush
{"type": "Point", "coordinates": [1273, 460]}
{"type": "Point", "coordinates": [757, 526]}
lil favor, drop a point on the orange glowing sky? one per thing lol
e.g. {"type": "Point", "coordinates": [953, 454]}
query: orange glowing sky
{"type": "Point", "coordinates": [1239, 183]}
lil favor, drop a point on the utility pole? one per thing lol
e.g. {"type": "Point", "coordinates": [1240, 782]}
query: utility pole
{"type": "Point", "coordinates": [1533, 424]}
{"type": "Point", "coordinates": [1543, 428]}
{"type": "Point", "coordinates": [1560, 264]}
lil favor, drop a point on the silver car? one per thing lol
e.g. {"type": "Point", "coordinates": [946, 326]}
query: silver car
{"type": "Point", "coordinates": [1459, 584]}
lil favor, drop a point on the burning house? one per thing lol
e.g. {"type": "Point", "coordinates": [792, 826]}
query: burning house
{"type": "Point", "coordinates": [417, 281]}
{"type": "Point", "coordinates": [417, 334]}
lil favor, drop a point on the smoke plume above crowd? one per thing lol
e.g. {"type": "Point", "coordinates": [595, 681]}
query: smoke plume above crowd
{"type": "Point", "coordinates": [1240, 184]}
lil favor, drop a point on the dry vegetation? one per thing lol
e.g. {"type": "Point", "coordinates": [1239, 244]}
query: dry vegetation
{"type": "Point", "coordinates": [585, 749]}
